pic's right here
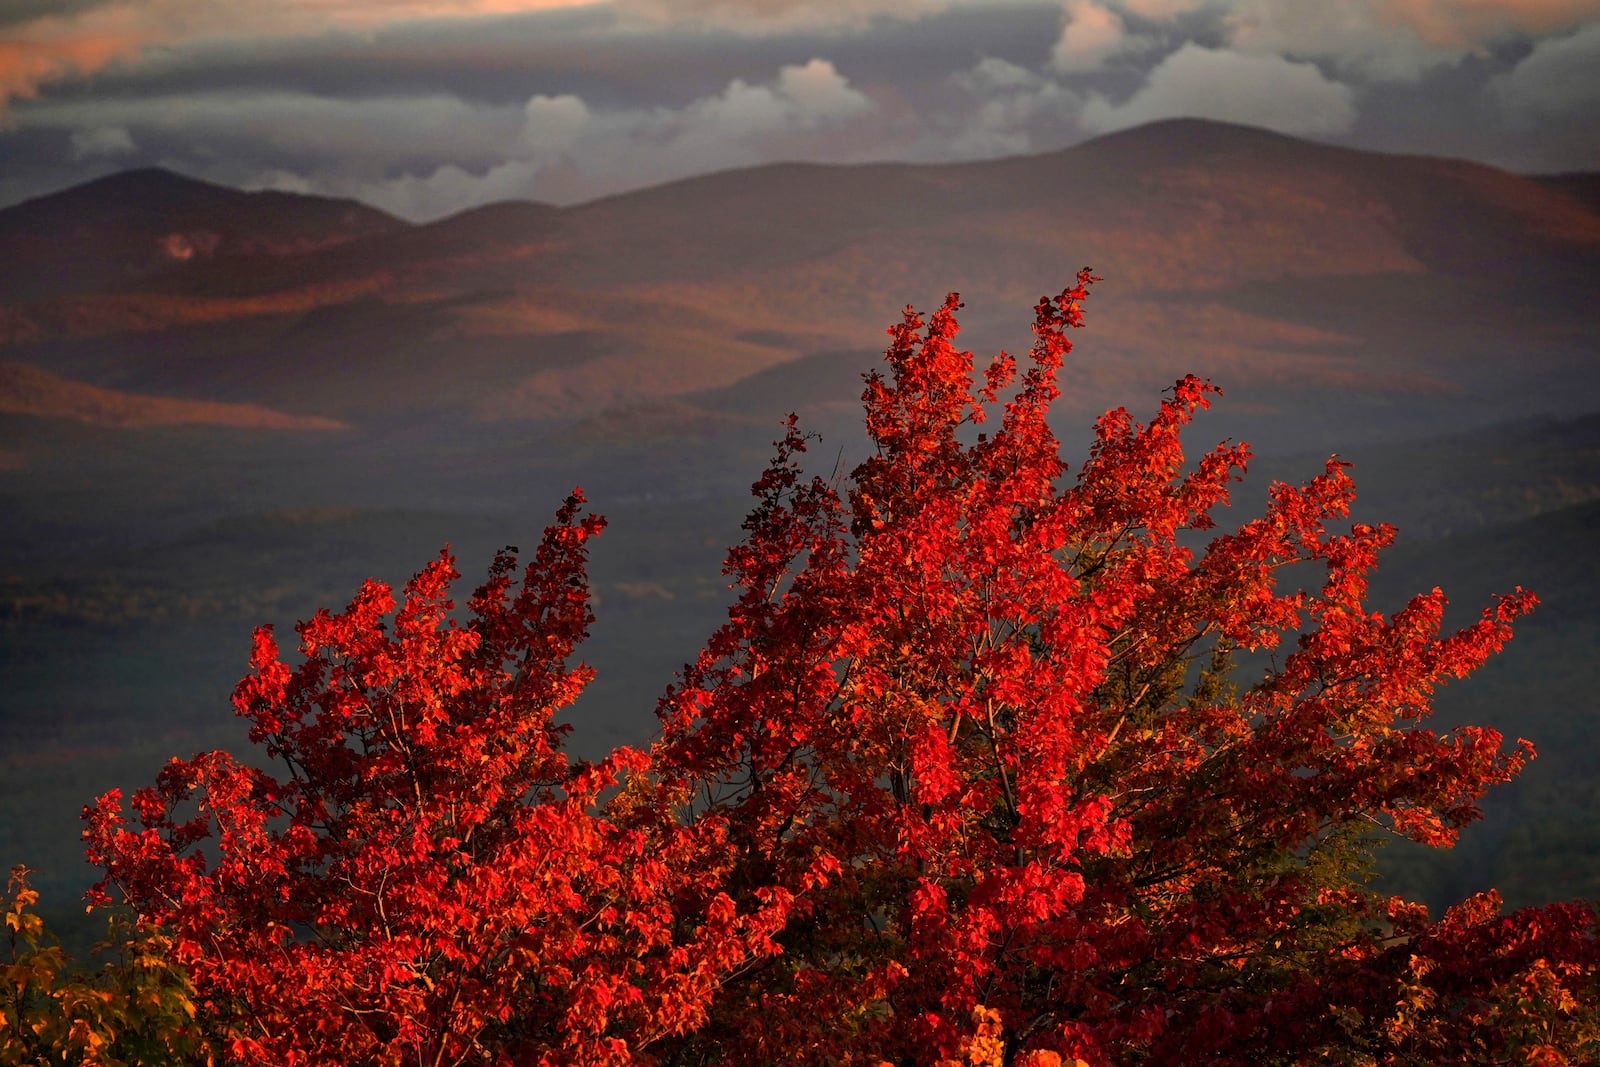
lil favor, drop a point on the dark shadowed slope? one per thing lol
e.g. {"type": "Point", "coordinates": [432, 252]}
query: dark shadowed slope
{"type": "Point", "coordinates": [1583, 186]}
{"type": "Point", "coordinates": [129, 228]}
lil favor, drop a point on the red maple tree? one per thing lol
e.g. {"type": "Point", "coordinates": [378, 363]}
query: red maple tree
{"type": "Point", "coordinates": [968, 776]}
{"type": "Point", "coordinates": [432, 881]}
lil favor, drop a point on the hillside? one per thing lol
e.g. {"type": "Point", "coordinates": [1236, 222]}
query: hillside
{"type": "Point", "coordinates": [132, 229]}
{"type": "Point", "coordinates": [1583, 186]}
{"type": "Point", "coordinates": [30, 391]}
{"type": "Point", "coordinates": [1539, 840]}
{"type": "Point", "coordinates": [1310, 278]}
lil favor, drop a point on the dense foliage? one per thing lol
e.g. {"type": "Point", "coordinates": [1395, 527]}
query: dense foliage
{"type": "Point", "coordinates": [987, 765]}
{"type": "Point", "coordinates": [138, 1009]}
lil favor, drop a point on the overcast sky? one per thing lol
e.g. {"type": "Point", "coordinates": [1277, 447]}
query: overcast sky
{"type": "Point", "coordinates": [426, 107]}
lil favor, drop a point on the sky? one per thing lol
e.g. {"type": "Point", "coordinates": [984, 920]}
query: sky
{"type": "Point", "coordinates": [428, 107]}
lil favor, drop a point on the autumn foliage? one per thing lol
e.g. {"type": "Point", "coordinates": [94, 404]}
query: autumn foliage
{"type": "Point", "coordinates": [993, 762]}
{"type": "Point", "coordinates": [138, 1008]}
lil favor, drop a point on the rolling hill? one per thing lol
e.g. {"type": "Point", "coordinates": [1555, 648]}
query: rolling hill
{"type": "Point", "coordinates": [1308, 277]}
{"type": "Point", "coordinates": [129, 229]}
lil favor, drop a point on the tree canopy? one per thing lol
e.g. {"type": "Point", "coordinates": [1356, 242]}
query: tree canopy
{"type": "Point", "coordinates": [993, 762]}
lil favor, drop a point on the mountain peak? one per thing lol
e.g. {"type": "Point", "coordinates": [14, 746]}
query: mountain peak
{"type": "Point", "coordinates": [1170, 139]}
{"type": "Point", "coordinates": [136, 224]}
{"type": "Point", "coordinates": [151, 191]}
{"type": "Point", "coordinates": [145, 179]}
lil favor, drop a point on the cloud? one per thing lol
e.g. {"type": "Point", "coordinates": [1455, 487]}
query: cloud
{"type": "Point", "coordinates": [1463, 25]}
{"type": "Point", "coordinates": [803, 97]}
{"type": "Point", "coordinates": [87, 38]}
{"type": "Point", "coordinates": [769, 16]}
{"type": "Point", "coordinates": [1394, 40]}
{"type": "Point", "coordinates": [382, 131]}
{"type": "Point", "coordinates": [428, 106]}
{"type": "Point", "coordinates": [1090, 34]}
{"type": "Point", "coordinates": [1016, 109]}
{"type": "Point", "coordinates": [434, 154]}
{"type": "Point", "coordinates": [54, 47]}
{"type": "Point", "coordinates": [1160, 10]}
{"type": "Point", "coordinates": [1347, 33]}
{"type": "Point", "coordinates": [1198, 82]}
{"type": "Point", "coordinates": [1557, 78]}
{"type": "Point", "coordinates": [101, 141]}
{"type": "Point", "coordinates": [444, 191]}
{"type": "Point", "coordinates": [567, 149]}
{"type": "Point", "coordinates": [992, 75]}
{"type": "Point", "coordinates": [816, 93]}
{"type": "Point", "coordinates": [551, 125]}
{"type": "Point", "coordinates": [37, 52]}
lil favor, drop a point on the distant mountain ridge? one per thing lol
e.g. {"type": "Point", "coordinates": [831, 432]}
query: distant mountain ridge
{"type": "Point", "coordinates": [120, 230]}
{"type": "Point", "coordinates": [1283, 268]}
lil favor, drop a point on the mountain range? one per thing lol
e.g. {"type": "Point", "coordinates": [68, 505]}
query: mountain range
{"type": "Point", "coordinates": [1290, 271]}
{"type": "Point", "coordinates": [220, 408]}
